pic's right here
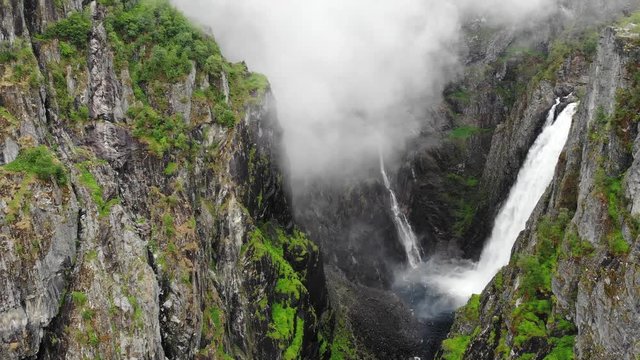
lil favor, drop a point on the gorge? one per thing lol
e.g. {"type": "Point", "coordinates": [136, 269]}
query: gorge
{"type": "Point", "coordinates": [438, 180]}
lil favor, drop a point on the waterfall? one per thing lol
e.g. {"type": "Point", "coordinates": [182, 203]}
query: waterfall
{"type": "Point", "coordinates": [405, 233]}
{"type": "Point", "coordinates": [448, 283]}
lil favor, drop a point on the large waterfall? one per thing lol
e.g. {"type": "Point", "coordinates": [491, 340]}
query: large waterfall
{"type": "Point", "coordinates": [405, 233]}
{"type": "Point", "coordinates": [449, 283]}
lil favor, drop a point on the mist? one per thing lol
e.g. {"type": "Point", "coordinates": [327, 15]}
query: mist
{"type": "Point", "coordinates": [351, 78]}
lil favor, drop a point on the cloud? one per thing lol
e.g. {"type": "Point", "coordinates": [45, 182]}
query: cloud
{"type": "Point", "coordinates": [350, 77]}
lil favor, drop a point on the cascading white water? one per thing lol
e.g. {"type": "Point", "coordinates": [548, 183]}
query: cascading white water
{"type": "Point", "coordinates": [452, 282]}
{"type": "Point", "coordinates": [405, 232]}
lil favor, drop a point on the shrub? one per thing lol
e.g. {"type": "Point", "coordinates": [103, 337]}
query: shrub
{"type": "Point", "coordinates": [224, 116]}
{"type": "Point", "coordinates": [40, 162]}
{"type": "Point", "coordinates": [75, 29]}
{"type": "Point", "coordinates": [159, 132]}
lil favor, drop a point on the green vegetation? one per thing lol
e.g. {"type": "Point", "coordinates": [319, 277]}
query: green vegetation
{"type": "Point", "coordinates": [626, 114]}
{"type": "Point", "coordinates": [213, 333]}
{"type": "Point", "coordinates": [21, 64]}
{"type": "Point", "coordinates": [95, 189]}
{"type": "Point", "coordinates": [74, 29]}
{"type": "Point", "coordinates": [585, 44]}
{"type": "Point", "coordinates": [613, 194]}
{"type": "Point", "coordinates": [472, 308]}
{"type": "Point", "coordinates": [342, 347]}
{"type": "Point", "coordinates": [464, 132]}
{"type": "Point", "coordinates": [161, 133]}
{"type": "Point", "coordinates": [160, 47]}
{"type": "Point", "coordinates": [289, 282]}
{"type": "Point", "coordinates": [40, 162]}
{"type": "Point", "coordinates": [282, 322]}
{"type": "Point", "coordinates": [293, 351]}
{"type": "Point", "coordinates": [533, 317]}
{"type": "Point", "coordinates": [79, 298]}
{"type": "Point", "coordinates": [578, 248]}
{"type": "Point", "coordinates": [454, 348]}
{"type": "Point", "coordinates": [281, 249]}
{"type": "Point", "coordinates": [527, 66]}
{"type": "Point", "coordinates": [171, 169]}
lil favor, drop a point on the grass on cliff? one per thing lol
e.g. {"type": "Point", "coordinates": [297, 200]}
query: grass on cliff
{"type": "Point", "coordinates": [533, 318]}
{"type": "Point", "coordinates": [20, 64]}
{"type": "Point", "coordinates": [280, 249]}
{"type": "Point", "coordinates": [40, 162]}
{"type": "Point", "coordinates": [95, 189]}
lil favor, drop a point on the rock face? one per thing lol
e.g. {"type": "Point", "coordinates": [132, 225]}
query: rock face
{"type": "Point", "coordinates": [571, 287]}
{"type": "Point", "coordinates": [143, 212]}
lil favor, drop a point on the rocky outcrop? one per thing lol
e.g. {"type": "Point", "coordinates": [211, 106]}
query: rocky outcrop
{"type": "Point", "coordinates": [142, 215]}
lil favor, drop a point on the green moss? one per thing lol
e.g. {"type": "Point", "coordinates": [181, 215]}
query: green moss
{"type": "Point", "coordinates": [289, 286]}
{"type": "Point", "coordinates": [39, 161]}
{"type": "Point", "coordinates": [289, 282]}
{"type": "Point", "coordinates": [138, 315]}
{"type": "Point", "coordinates": [17, 202]}
{"type": "Point", "coordinates": [293, 351]}
{"type": "Point", "coordinates": [92, 337]}
{"type": "Point", "coordinates": [282, 322]}
{"type": "Point", "coordinates": [617, 244]}
{"type": "Point", "coordinates": [269, 244]}
{"type": "Point", "coordinates": [342, 345]}
{"type": "Point", "coordinates": [502, 350]}
{"type": "Point", "coordinates": [454, 348]}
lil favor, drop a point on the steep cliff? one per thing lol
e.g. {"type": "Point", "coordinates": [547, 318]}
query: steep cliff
{"type": "Point", "coordinates": [571, 287]}
{"type": "Point", "coordinates": [143, 212]}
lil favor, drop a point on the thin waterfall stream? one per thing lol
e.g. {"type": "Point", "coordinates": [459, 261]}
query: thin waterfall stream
{"type": "Point", "coordinates": [440, 285]}
{"type": "Point", "coordinates": [405, 232]}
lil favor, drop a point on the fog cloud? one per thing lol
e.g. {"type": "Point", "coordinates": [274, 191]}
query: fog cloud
{"type": "Point", "coordinates": [350, 76]}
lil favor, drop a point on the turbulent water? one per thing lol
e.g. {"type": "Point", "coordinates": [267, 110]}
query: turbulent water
{"type": "Point", "coordinates": [444, 284]}
{"type": "Point", "coordinates": [405, 232]}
